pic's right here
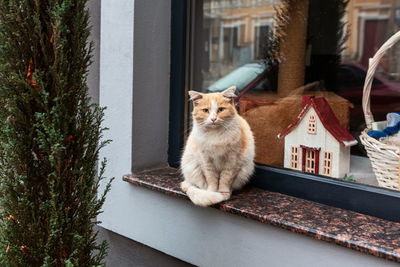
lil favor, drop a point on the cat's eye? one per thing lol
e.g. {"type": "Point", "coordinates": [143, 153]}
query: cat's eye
{"type": "Point", "coordinates": [221, 109]}
{"type": "Point", "coordinates": [205, 110]}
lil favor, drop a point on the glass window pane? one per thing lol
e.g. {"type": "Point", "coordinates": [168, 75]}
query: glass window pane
{"type": "Point", "coordinates": [314, 63]}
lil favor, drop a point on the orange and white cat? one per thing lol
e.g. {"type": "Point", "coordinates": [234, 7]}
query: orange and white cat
{"type": "Point", "coordinates": [219, 153]}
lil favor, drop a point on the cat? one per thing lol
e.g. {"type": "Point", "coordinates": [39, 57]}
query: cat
{"type": "Point", "coordinates": [219, 152]}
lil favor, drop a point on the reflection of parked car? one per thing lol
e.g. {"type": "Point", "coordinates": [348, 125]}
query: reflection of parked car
{"type": "Point", "coordinates": [252, 76]}
{"type": "Point", "coordinates": [385, 95]}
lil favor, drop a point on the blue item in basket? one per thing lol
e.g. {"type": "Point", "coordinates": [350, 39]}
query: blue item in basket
{"type": "Point", "coordinates": [393, 122]}
{"type": "Point", "coordinates": [377, 134]}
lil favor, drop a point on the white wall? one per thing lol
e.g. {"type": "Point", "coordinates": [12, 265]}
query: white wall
{"type": "Point", "coordinates": [136, 96]}
{"type": "Point", "coordinates": [116, 93]}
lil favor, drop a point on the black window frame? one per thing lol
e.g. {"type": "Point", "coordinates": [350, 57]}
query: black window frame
{"type": "Point", "coordinates": [375, 201]}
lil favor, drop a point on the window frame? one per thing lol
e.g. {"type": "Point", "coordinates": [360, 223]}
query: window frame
{"type": "Point", "coordinates": [375, 201]}
{"type": "Point", "coordinates": [178, 79]}
{"type": "Point", "coordinates": [294, 157]}
{"type": "Point", "coordinates": [327, 163]}
{"type": "Point", "coordinates": [312, 124]}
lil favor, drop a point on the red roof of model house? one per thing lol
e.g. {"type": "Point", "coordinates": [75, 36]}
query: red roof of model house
{"type": "Point", "coordinates": [327, 117]}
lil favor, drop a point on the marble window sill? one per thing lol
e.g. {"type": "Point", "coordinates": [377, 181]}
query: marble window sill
{"type": "Point", "coordinates": [357, 231]}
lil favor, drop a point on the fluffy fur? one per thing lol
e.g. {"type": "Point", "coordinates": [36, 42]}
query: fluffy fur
{"type": "Point", "coordinates": [219, 153]}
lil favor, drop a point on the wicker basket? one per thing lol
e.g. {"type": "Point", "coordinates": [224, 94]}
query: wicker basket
{"type": "Point", "coordinates": [384, 158]}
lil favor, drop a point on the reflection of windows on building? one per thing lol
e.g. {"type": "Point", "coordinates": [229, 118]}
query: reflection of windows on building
{"type": "Point", "coordinates": [231, 42]}
{"type": "Point", "coordinates": [261, 33]}
{"type": "Point", "coordinates": [256, 3]}
{"type": "Point", "coordinates": [372, 36]}
{"type": "Point", "coordinates": [229, 34]}
{"type": "Point", "coordinates": [294, 158]}
{"type": "Point", "coordinates": [369, 25]}
{"type": "Point", "coordinates": [312, 124]}
{"type": "Point", "coordinates": [327, 164]}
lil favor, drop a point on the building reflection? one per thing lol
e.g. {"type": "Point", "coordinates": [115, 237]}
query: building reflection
{"type": "Point", "coordinates": [235, 32]}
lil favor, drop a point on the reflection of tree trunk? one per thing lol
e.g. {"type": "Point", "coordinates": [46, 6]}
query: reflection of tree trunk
{"type": "Point", "coordinates": [198, 47]}
{"type": "Point", "coordinates": [293, 48]}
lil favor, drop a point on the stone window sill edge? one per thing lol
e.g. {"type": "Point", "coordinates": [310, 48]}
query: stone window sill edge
{"type": "Point", "coordinates": [345, 228]}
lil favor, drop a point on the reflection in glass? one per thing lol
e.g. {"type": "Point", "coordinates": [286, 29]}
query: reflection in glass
{"type": "Point", "coordinates": [231, 42]}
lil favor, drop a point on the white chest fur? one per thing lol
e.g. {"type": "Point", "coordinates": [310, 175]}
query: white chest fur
{"type": "Point", "coordinates": [217, 144]}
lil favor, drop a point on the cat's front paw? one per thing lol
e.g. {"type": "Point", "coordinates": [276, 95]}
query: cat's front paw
{"type": "Point", "coordinates": [185, 186]}
{"type": "Point", "coordinates": [224, 188]}
{"type": "Point", "coordinates": [212, 187]}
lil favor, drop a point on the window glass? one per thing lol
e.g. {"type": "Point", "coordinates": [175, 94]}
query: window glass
{"type": "Point", "coordinates": [317, 60]}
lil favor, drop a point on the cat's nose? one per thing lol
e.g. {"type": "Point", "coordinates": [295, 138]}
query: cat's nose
{"type": "Point", "coordinates": [213, 119]}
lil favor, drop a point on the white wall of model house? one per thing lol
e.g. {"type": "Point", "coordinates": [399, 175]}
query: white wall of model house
{"type": "Point", "coordinates": [322, 139]}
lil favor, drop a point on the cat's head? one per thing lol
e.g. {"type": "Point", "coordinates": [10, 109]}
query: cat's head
{"type": "Point", "coordinates": [213, 110]}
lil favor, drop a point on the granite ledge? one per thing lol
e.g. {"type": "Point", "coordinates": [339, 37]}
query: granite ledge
{"type": "Point", "coordinates": [357, 231]}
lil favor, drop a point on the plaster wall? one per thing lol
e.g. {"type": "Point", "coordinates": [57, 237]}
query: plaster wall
{"type": "Point", "coordinates": [151, 84]}
{"type": "Point", "coordinates": [116, 93]}
{"type": "Point", "coordinates": [136, 97]}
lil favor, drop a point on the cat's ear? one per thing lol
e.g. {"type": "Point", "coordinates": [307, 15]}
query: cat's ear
{"type": "Point", "coordinates": [229, 93]}
{"type": "Point", "coordinates": [195, 96]}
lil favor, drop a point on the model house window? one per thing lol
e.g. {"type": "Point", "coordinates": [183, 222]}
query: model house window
{"type": "Point", "coordinates": [294, 157]}
{"type": "Point", "coordinates": [312, 124]}
{"type": "Point", "coordinates": [327, 164]}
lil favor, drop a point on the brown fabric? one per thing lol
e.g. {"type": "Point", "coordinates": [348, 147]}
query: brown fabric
{"type": "Point", "coordinates": [268, 115]}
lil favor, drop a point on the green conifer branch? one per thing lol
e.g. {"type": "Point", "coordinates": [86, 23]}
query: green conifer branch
{"type": "Point", "coordinates": [50, 136]}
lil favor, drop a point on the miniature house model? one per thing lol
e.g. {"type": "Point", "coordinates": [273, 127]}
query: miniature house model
{"type": "Point", "coordinates": [316, 142]}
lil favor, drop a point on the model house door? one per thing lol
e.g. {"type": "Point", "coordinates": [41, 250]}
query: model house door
{"type": "Point", "coordinates": [310, 160]}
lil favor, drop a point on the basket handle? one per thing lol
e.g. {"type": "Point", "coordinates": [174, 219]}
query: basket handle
{"type": "Point", "coordinates": [373, 64]}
